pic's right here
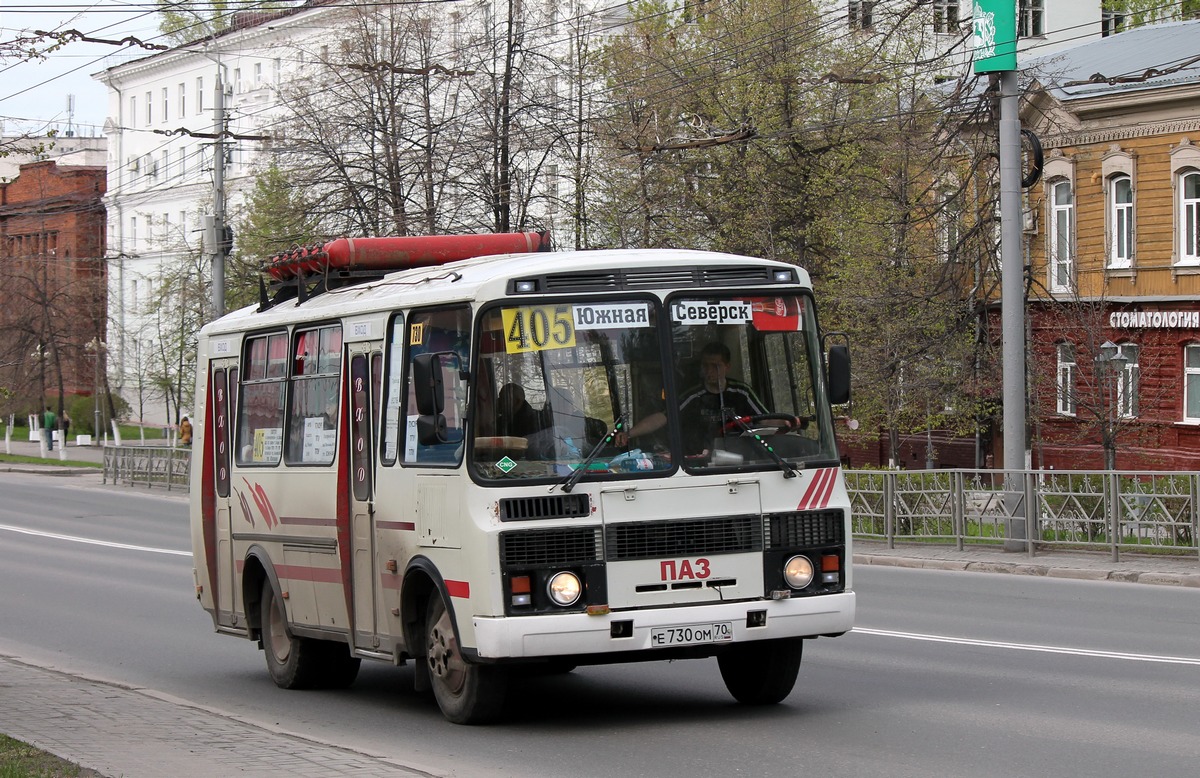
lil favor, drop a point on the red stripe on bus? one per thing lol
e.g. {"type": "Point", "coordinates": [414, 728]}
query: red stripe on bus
{"type": "Point", "coordinates": [208, 494]}
{"type": "Point", "coordinates": [817, 494]}
{"type": "Point", "coordinates": [307, 521]}
{"type": "Point", "coordinates": [342, 513]}
{"type": "Point", "coordinates": [460, 589]}
{"type": "Point", "coordinates": [309, 573]}
{"type": "Point", "coordinates": [404, 525]}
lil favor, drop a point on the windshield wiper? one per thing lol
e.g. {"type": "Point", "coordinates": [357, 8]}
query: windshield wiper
{"type": "Point", "coordinates": [569, 483]}
{"type": "Point", "coordinates": [789, 470]}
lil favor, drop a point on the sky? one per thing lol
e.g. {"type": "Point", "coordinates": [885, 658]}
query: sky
{"type": "Point", "coordinates": [34, 94]}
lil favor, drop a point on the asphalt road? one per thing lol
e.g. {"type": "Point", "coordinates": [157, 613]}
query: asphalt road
{"type": "Point", "coordinates": [948, 673]}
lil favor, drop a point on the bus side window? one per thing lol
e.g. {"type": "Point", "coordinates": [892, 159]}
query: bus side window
{"type": "Point", "coordinates": [260, 410]}
{"type": "Point", "coordinates": [439, 331]}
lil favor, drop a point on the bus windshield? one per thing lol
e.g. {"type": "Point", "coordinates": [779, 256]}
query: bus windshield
{"type": "Point", "coordinates": [739, 388]}
{"type": "Point", "coordinates": [553, 380]}
{"type": "Point", "coordinates": [749, 373]}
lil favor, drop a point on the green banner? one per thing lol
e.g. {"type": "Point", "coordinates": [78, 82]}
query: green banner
{"type": "Point", "coordinates": [995, 35]}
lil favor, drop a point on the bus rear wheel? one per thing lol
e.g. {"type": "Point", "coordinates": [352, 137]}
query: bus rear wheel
{"type": "Point", "coordinates": [466, 693]}
{"type": "Point", "coordinates": [761, 672]}
{"type": "Point", "coordinates": [291, 661]}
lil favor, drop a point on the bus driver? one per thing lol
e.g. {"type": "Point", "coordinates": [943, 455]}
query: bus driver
{"type": "Point", "coordinates": [707, 408]}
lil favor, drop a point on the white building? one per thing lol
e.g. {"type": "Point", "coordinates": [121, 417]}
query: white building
{"type": "Point", "coordinates": [161, 129]}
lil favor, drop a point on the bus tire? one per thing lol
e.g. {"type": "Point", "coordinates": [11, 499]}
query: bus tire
{"type": "Point", "coordinates": [293, 662]}
{"type": "Point", "coordinates": [466, 693]}
{"type": "Point", "coordinates": [761, 672]}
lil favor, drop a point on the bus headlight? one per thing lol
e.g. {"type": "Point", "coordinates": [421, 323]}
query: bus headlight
{"type": "Point", "coordinates": [798, 572]}
{"type": "Point", "coordinates": [564, 588]}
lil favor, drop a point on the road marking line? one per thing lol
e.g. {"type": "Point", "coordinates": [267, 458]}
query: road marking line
{"type": "Point", "coordinates": [92, 541]}
{"type": "Point", "coordinates": [1176, 660]}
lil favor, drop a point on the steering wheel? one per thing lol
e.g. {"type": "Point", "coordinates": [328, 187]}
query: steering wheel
{"type": "Point", "coordinates": [752, 421]}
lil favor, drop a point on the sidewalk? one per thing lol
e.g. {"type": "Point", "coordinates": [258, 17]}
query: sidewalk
{"type": "Point", "coordinates": [124, 732]}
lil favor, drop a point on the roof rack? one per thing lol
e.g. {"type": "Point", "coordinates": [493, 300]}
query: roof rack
{"type": "Point", "coordinates": [305, 271]}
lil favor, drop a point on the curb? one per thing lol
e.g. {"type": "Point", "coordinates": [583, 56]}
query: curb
{"type": "Point", "coordinates": [54, 470]}
{"type": "Point", "coordinates": [1191, 580]}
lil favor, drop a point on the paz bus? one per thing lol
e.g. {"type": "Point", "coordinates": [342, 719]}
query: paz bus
{"type": "Point", "coordinates": [418, 449]}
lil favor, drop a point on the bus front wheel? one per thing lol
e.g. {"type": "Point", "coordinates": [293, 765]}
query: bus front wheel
{"type": "Point", "coordinates": [761, 672]}
{"type": "Point", "coordinates": [466, 693]}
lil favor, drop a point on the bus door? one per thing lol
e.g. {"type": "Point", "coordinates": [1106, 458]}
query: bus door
{"type": "Point", "coordinates": [222, 400]}
{"type": "Point", "coordinates": [364, 376]}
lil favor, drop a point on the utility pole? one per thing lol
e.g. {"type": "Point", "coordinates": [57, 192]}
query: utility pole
{"type": "Point", "coordinates": [214, 228]}
{"type": "Point", "coordinates": [995, 38]}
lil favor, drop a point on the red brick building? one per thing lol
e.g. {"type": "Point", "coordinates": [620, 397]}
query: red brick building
{"type": "Point", "coordinates": [52, 284]}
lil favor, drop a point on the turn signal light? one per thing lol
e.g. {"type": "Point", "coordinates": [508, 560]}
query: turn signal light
{"type": "Point", "coordinates": [830, 563]}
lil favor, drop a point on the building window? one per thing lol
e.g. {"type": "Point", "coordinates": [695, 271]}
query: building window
{"type": "Point", "coordinates": [948, 225]}
{"type": "Point", "coordinates": [1120, 221]}
{"type": "Point", "coordinates": [1066, 379]}
{"type": "Point", "coordinates": [166, 107]}
{"type": "Point", "coordinates": [200, 95]}
{"type": "Point", "coordinates": [1191, 387]}
{"type": "Point", "coordinates": [860, 14]}
{"type": "Point", "coordinates": [1031, 18]}
{"type": "Point", "coordinates": [1111, 23]}
{"type": "Point", "coordinates": [258, 79]}
{"type": "Point", "coordinates": [1062, 228]}
{"type": "Point", "coordinates": [182, 100]}
{"type": "Point", "coordinates": [1189, 218]}
{"type": "Point", "coordinates": [945, 16]}
{"type": "Point", "coordinates": [1127, 381]}
{"type": "Point", "coordinates": [132, 111]}
{"type": "Point", "coordinates": [133, 234]}
{"type": "Point", "coordinates": [149, 108]}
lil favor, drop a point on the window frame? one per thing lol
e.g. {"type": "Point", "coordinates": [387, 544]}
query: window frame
{"type": "Point", "coordinates": [1031, 19]}
{"type": "Point", "coordinates": [947, 16]}
{"type": "Point", "coordinates": [860, 14]}
{"type": "Point", "coordinates": [1188, 372]}
{"type": "Point", "coordinates": [1121, 223]}
{"type": "Point", "coordinates": [1057, 241]}
{"type": "Point", "coordinates": [1065, 377]}
{"type": "Point", "coordinates": [1188, 219]}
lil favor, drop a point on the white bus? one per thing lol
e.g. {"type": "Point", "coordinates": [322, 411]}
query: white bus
{"type": "Point", "coordinates": [500, 457]}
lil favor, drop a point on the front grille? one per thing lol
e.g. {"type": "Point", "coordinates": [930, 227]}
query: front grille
{"type": "Point", "coordinates": [549, 547]}
{"type": "Point", "coordinates": [658, 539]}
{"type": "Point", "coordinates": [804, 529]}
{"type": "Point", "coordinates": [555, 506]}
{"type": "Point", "coordinates": [734, 276]}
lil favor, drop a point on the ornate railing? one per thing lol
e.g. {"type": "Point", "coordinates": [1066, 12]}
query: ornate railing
{"type": "Point", "coordinates": [148, 466]}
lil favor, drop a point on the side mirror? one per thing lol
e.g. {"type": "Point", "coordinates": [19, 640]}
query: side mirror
{"type": "Point", "coordinates": [431, 429]}
{"type": "Point", "coordinates": [428, 384]}
{"type": "Point", "coordinates": [838, 374]}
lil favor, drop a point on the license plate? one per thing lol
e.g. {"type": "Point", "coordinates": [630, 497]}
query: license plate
{"type": "Point", "coordinates": [691, 634]}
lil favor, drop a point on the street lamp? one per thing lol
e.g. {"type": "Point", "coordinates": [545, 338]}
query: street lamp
{"type": "Point", "coordinates": [1110, 367]}
{"type": "Point", "coordinates": [97, 347]}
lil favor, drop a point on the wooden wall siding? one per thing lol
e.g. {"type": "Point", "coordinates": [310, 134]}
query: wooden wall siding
{"type": "Point", "coordinates": [1154, 228]}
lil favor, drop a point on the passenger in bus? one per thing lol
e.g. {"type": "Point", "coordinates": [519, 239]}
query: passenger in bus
{"type": "Point", "coordinates": [707, 408]}
{"type": "Point", "coordinates": [515, 417]}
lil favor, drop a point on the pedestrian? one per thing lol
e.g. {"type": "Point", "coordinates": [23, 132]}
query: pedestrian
{"type": "Point", "coordinates": [49, 421]}
{"type": "Point", "coordinates": [66, 426]}
{"type": "Point", "coordinates": [185, 432]}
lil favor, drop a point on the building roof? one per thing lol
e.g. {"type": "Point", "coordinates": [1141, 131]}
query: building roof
{"type": "Point", "coordinates": [1149, 57]}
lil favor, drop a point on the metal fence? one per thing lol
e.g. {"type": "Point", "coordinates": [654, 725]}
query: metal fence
{"type": "Point", "coordinates": [148, 466]}
{"type": "Point", "coordinates": [1116, 511]}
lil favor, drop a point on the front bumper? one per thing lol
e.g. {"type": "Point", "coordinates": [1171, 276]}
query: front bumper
{"type": "Point", "coordinates": [517, 637]}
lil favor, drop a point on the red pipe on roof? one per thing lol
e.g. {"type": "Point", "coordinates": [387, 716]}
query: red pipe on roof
{"type": "Point", "coordinates": [400, 253]}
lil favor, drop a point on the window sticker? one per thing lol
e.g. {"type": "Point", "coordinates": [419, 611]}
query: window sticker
{"type": "Point", "coordinates": [537, 328]}
{"type": "Point", "coordinates": [694, 313]}
{"type": "Point", "coordinates": [611, 316]}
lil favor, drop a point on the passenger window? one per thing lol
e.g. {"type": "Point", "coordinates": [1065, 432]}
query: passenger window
{"type": "Point", "coordinates": [313, 414]}
{"type": "Point", "coordinates": [260, 406]}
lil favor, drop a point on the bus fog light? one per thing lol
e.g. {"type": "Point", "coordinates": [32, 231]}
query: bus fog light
{"type": "Point", "coordinates": [564, 588]}
{"type": "Point", "coordinates": [520, 599]}
{"type": "Point", "coordinates": [798, 572]}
